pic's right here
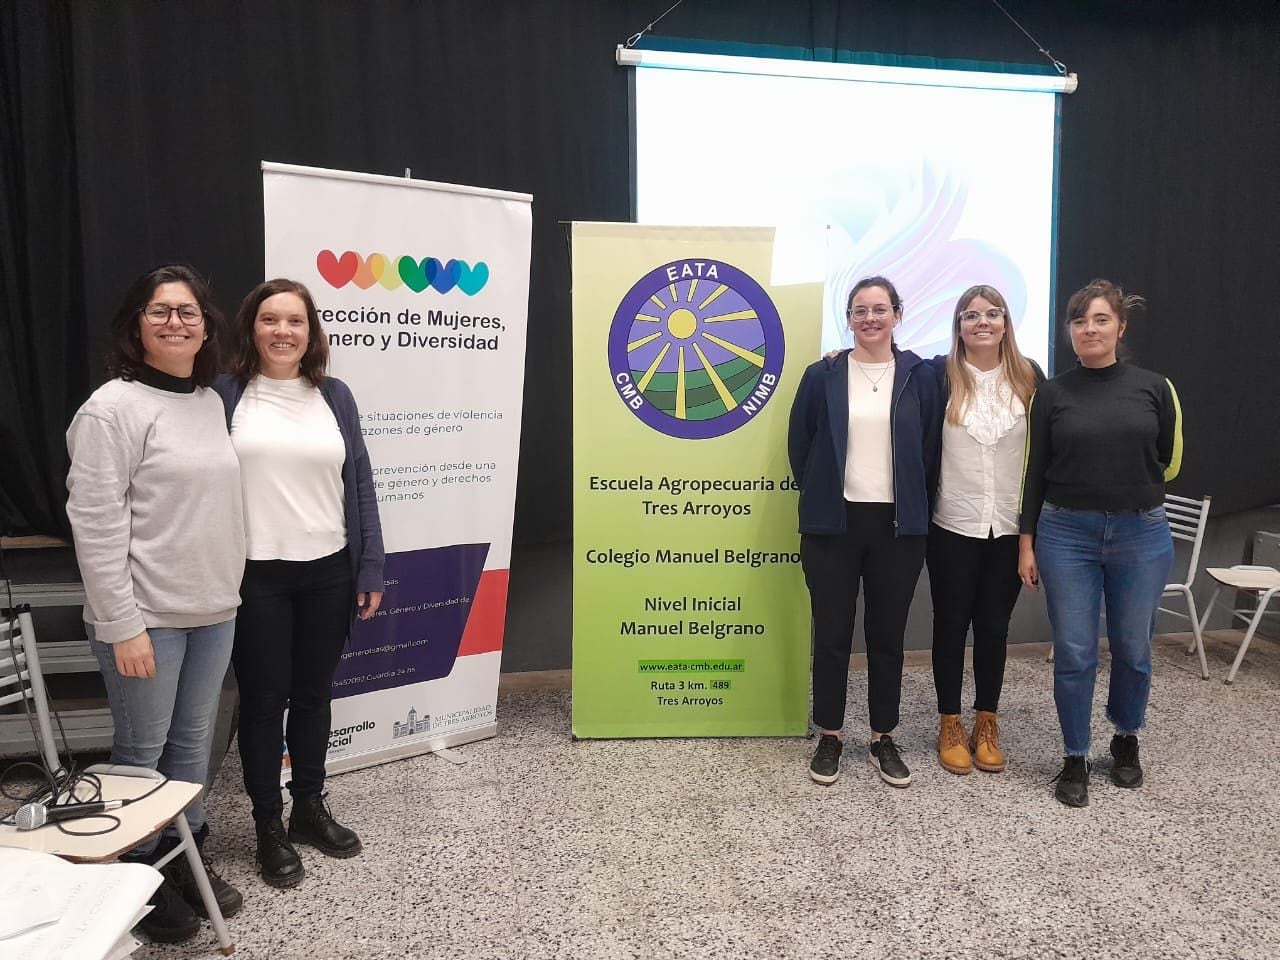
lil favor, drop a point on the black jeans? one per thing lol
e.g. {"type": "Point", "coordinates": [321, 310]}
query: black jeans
{"type": "Point", "coordinates": [972, 581]}
{"type": "Point", "coordinates": [888, 568]}
{"type": "Point", "coordinates": [293, 623]}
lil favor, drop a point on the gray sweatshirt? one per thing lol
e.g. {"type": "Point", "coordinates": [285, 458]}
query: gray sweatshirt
{"type": "Point", "coordinates": [155, 509]}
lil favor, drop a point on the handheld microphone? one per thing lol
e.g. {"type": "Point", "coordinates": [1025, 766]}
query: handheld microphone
{"type": "Point", "coordinates": [33, 815]}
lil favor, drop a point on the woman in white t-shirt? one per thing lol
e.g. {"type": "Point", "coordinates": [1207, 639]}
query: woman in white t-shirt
{"type": "Point", "coordinates": [315, 561]}
{"type": "Point", "coordinates": [863, 448]}
{"type": "Point", "coordinates": [972, 551]}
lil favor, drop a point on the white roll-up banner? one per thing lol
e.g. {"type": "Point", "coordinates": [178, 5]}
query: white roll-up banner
{"type": "Point", "coordinates": [423, 291]}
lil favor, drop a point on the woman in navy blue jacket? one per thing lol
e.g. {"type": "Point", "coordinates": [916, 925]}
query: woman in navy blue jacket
{"type": "Point", "coordinates": [863, 445]}
{"type": "Point", "coordinates": [315, 560]}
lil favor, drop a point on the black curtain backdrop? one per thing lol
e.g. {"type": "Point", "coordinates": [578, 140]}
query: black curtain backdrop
{"type": "Point", "coordinates": [44, 369]}
{"type": "Point", "coordinates": [133, 132]}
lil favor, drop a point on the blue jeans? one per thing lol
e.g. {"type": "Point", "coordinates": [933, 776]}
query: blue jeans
{"type": "Point", "coordinates": [1087, 558]}
{"type": "Point", "coordinates": [166, 723]}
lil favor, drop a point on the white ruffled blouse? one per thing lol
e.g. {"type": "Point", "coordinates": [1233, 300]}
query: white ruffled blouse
{"type": "Point", "coordinates": [981, 471]}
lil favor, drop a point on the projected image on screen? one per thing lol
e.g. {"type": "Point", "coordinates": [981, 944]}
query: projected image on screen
{"type": "Point", "coordinates": [937, 188]}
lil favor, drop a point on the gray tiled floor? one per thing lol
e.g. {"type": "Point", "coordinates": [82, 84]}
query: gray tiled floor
{"type": "Point", "coordinates": [544, 848]}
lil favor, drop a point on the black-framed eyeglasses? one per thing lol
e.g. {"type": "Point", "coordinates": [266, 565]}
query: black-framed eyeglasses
{"type": "Point", "coordinates": [973, 316]}
{"type": "Point", "coordinates": [157, 314]}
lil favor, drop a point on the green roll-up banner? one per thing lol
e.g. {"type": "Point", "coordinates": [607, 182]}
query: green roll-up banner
{"type": "Point", "coordinates": [690, 615]}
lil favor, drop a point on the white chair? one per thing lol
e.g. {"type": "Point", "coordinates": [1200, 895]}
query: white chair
{"type": "Point", "coordinates": [155, 808]}
{"type": "Point", "coordinates": [1187, 521]}
{"type": "Point", "coordinates": [1262, 582]}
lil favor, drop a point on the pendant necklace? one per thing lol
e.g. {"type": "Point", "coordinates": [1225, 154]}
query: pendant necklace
{"type": "Point", "coordinates": [875, 384]}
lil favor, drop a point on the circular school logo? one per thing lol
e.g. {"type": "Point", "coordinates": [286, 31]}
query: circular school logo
{"type": "Point", "coordinates": [695, 349]}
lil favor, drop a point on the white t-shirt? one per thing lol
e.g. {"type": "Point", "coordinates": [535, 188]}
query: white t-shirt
{"type": "Point", "coordinates": [291, 455]}
{"type": "Point", "coordinates": [868, 462]}
{"type": "Point", "coordinates": [981, 471]}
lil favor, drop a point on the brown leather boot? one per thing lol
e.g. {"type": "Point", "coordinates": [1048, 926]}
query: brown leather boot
{"type": "Point", "coordinates": [984, 742]}
{"type": "Point", "coordinates": [952, 752]}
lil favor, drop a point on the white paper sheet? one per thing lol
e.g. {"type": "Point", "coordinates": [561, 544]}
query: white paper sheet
{"type": "Point", "coordinates": [84, 911]}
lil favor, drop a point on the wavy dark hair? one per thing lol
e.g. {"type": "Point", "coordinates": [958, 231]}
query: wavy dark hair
{"type": "Point", "coordinates": [1122, 303]}
{"type": "Point", "coordinates": [245, 362]}
{"type": "Point", "coordinates": [125, 353]}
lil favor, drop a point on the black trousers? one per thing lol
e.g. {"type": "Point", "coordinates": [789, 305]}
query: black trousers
{"type": "Point", "coordinates": [293, 623]}
{"type": "Point", "coordinates": [887, 568]}
{"type": "Point", "coordinates": [973, 581]}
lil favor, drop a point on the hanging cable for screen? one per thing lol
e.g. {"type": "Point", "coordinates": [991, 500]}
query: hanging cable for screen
{"type": "Point", "coordinates": [635, 37]}
{"type": "Point", "coordinates": [1057, 64]}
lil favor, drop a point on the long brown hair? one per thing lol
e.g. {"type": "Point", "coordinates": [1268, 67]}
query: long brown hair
{"type": "Point", "coordinates": [244, 361]}
{"type": "Point", "coordinates": [1014, 367]}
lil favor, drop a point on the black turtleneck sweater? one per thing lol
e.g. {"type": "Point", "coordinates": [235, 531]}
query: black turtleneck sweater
{"type": "Point", "coordinates": [165, 381]}
{"type": "Point", "coordinates": [1101, 439]}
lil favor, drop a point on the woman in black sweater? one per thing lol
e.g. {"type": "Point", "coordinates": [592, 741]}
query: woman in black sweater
{"type": "Point", "coordinates": [1102, 440]}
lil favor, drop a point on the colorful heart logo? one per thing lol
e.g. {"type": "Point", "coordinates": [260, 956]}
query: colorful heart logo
{"type": "Point", "coordinates": [415, 276]}
{"type": "Point", "coordinates": [471, 280]}
{"type": "Point", "coordinates": [337, 271]}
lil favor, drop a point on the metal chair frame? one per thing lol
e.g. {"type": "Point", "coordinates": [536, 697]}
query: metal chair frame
{"type": "Point", "coordinates": [1188, 519]}
{"type": "Point", "coordinates": [1252, 617]}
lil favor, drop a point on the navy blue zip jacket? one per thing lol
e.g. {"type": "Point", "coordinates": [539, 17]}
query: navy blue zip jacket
{"type": "Point", "coordinates": [360, 503]}
{"type": "Point", "coordinates": [818, 441]}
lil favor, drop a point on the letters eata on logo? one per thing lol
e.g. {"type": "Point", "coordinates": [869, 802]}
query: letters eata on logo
{"type": "Point", "coordinates": [695, 349]}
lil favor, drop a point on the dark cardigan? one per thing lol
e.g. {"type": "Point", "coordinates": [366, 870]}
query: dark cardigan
{"type": "Point", "coordinates": [819, 437]}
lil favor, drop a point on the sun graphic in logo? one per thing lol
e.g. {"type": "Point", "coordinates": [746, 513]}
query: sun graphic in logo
{"type": "Point", "coordinates": [696, 349]}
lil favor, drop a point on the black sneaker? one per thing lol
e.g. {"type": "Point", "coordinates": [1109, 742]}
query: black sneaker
{"type": "Point", "coordinates": [171, 919]}
{"type": "Point", "coordinates": [825, 766]}
{"type": "Point", "coordinates": [310, 821]}
{"type": "Point", "coordinates": [278, 862]}
{"type": "Point", "coordinates": [885, 758]}
{"type": "Point", "coordinates": [1073, 782]}
{"type": "Point", "coordinates": [178, 871]}
{"type": "Point", "coordinates": [1126, 771]}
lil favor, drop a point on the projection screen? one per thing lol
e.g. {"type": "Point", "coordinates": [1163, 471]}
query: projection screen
{"type": "Point", "coordinates": [938, 179]}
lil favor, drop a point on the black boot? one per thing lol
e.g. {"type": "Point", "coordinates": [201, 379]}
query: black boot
{"type": "Point", "coordinates": [311, 822]}
{"type": "Point", "coordinates": [1073, 782]}
{"type": "Point", "coordinates": [278, 861]}
{"type": "Point", "coordinates": [1126, 771]}
{"type": "Point", "coordinates": [171, 919]}
{"type": "Point", "coordinates": [178, 872]}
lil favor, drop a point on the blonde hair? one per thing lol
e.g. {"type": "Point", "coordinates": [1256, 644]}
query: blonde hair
{"type": "Point", "coordinates": [1014, 367]}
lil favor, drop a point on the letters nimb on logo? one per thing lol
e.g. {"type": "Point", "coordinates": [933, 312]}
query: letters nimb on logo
{"type": "Point", "coordinates": [392, 272]}
{"type": "Point", "coordinates": [695, 349]}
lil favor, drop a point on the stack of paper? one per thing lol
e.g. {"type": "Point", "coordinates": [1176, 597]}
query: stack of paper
{"type": "Point", "coordinates": [53, 909]}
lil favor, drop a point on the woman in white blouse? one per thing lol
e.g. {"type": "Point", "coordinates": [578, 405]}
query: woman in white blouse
{"type": "Point", "coordinates": [972, 551]}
